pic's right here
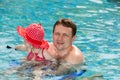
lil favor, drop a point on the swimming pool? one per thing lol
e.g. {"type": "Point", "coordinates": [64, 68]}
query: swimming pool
{"type": "Point", "coordinates": [98, 34]}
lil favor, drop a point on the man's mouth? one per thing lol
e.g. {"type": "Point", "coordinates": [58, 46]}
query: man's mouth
{"type": "Point", "coordinates": [60, 43]}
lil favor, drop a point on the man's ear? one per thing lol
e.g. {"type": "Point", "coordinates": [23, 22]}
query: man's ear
{"type": "Point", "coordinates": [73, 38]}
{"type": "Point", "coordinates": [52, 35]}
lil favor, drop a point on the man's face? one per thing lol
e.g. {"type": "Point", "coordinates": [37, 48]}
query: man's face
{"type": "Point", "coordinates": [62, 37]}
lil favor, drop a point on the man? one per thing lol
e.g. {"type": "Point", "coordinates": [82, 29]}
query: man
{"type": "Point", "coordinates": [64, 33]}
{"type": "Point", "coordinates": [69, 57]}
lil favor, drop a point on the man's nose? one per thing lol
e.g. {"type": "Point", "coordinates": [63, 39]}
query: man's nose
{"type": "Point", "coordinates": [60, 37]}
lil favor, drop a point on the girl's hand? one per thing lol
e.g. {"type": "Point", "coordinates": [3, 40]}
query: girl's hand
{"type": "Point", "coordinates": [8, 47]}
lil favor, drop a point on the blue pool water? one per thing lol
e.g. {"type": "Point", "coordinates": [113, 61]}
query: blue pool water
{"type": "Point", "coordinates": [98, 34]}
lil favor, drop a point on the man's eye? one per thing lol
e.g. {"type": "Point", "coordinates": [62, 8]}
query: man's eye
{"type": "Point", "coordinates": [65, 35]}
{"type": "Point", "coordinates": [56, 33]}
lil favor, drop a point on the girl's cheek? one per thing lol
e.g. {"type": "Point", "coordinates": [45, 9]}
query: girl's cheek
{"type": "Point", "coordinates": [27, 45]}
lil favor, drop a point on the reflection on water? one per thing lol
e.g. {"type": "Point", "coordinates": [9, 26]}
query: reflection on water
{"type": "Point", "coordinates": [117, 1]}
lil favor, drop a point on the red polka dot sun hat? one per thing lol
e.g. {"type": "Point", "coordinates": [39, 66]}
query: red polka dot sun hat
{"type": "Point", "coordinates": [33, 34]}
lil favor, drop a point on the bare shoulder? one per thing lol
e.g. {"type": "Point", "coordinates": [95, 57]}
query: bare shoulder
{"type": "Point", "coordinates": [78, 55]}
{"type": "Point", "coordinates": [51, 50]}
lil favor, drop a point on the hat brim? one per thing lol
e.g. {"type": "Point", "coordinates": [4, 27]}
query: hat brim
{"type": "Point", "coordinates": [21, 31]}
{"type": "Point", "coordinates": [42, 44]}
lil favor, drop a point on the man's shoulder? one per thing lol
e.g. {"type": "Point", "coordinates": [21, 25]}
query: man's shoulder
{"type": "Point", "coordinates": [78, 54]}
{"type": "Point", "coordinates": [77, 50]}
{"type": "Point", "coordinates": [50, 43]}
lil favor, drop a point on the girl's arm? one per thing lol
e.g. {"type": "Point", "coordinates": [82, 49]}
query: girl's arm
{"type": "Point", "coordinates": [21, 47]}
